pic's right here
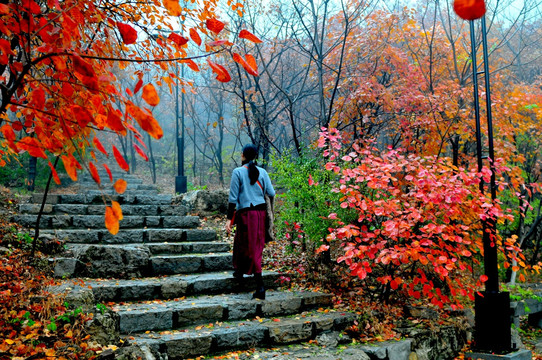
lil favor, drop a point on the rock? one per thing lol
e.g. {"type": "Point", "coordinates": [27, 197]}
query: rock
{"type": "Point", "coordinates": [205, 202]}
{"type": "Point", "coordinates": [136, 352]}
{"type": "Point", "coordinates": [420, 312]}
{"type": "Point", "coordinates": [120, 261]}
{"type": "Point", "coordinates": [104, 327]}
{"type": "Point", "coordinates": [66, 267]}
{"type": "Point", "coordinates": [516, 340]}
{"type": "Point", "coordinates": [328, 339]}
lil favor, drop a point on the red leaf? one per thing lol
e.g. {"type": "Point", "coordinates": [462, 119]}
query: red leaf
{"type": "Point", "coordinates": [32, 146]}
{"type": "Point", "coordinates": [82, 115]}
{"type": "Point", "coordinates": [222, 74]}
{"type": "Point", "coordinates": [4, 9]}
{"type": "Point", "coordinates": [141, 152]}
{"type": "Point", "coordinates": [120, 159]}
{"type": "Point", "coordinates": [99, 145]}
{"type": "Point", "coordinates": [138, 86]}
{"type": "Point", "coordinates": [17, 125]}
{"type": "Point", "coordinates": [82, 67]}
{"type": "Point", "coordinates": [128, 33]}
{"type": "Point", "coordinates": [483, 278]}
{"type": "Point", "coordinates": [191, 64]}
{"type": "Point", "coordinates": [470, 9]}
{"type": "Point", "coordinates": [177, 39]}
{"type": "Point", "coordinates": [150, 95]}
{"type": "Point", "coordinates": [214, 25]}
{"type": "Point", "coordinates": [94, 172]}
{"type": "Point", "coordinates": [108, 172]}
{"type": "Point", "coordinates": [114, 121]}
{"type": "Point", "coordinates": [55, 174]}
{"type": "Point", "coordinates": [245, 34]}
{"type": "Point", "coordinates": [195, 36]}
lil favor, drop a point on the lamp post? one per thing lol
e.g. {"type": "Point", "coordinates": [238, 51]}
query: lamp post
{"type": "Point", "coordinates": [180, 179]}
{"type": "Point", "coordinates": [492, 307]}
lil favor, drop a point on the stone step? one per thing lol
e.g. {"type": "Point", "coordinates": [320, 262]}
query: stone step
{"type": "Point", "coordinates": [175, 248]}
{"type": "Point", "coordinates": [190, 263]}
{"type": "Point", "coordinates": [83, 209]}
{"type": "Point", "coordinates": [167, 315]}
{"type": "Point", "coordinates": [136, 197]}
{"type": "Point", "coordinates": [330, 346]}
{"type": "Point", "coordinates": [127, 236]}
{"type": "Point", "coordinates": [164, 287]}
{"type": "Point", "coordinates": [98, 221]}
{"type": "Point", "coordinates": [188, 247]}
{"type": "Point", "coordinates": [223, 336]}
{"type": "Point", "coordinates": [134, 260]}
{"type": "Point", "coordinates": [105, 181]}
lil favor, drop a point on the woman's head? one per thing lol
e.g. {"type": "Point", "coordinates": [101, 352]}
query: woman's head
{"type": "Point", "coordinates": [250, 152]}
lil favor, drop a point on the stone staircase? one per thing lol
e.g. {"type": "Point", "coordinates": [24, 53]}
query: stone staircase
{"type": "Point", "coordinates": [168, 281]}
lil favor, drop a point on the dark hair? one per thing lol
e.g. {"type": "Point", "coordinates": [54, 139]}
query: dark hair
{"type": "Point", "coordinates": [250, 152]}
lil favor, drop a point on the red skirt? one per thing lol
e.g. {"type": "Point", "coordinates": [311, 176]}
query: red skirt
{"type": "Point", "coordinates": [249, 241]}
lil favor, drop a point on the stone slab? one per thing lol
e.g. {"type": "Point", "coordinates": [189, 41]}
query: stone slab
{"type": "Point", "coordinates": [35, 208]}
{"type": "Point", "coordinates": [516, 355]}
{"type": "Point", "coordinates": [72, 209]}
{"type": "Point", "coordinates": [181, 222]}
{"type": "Point", "coordinates": [176, 264]}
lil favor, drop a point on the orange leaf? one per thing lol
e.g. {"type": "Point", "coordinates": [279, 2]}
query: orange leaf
{"type": "Point", "coordinates": [117, 210]}
{"type": "Point", "coordinates": [251, 62]}
{"type": "Point", "coordinates": [120, 186]}
{"type": "Point", "coordinates": [195, 36]}
{"type": "Point", "coordinates": [111, 221]}
{"type": "Point", "coordinates": [177, 39]}
{"type": "Point", "coordinates": [108, 172]}
{"type": "Point", "coordinates": [60, 63]}
{"type": "Point", "coordinates": [150, 95]}
{"type": "Point", "coordinates": [55, 174]}
{"type": "Point", "coordinates": [214, 25]}
{"type": "Point", "coordinates": [82, 67]}
{"type": "Point", "coordinates": [69, 165]}
{"type": "Point", "coordinates": [128, 33]}
{"type": "Point", "coordinates": [146, 121]}
{"type": "Point", "coordinates": [173, 7]}
{"type": "Point", "coordinates": [99, 145]}
{"type": "Point", "coordinates": [245, 34]}
{"type": "Point", "coordinates": [141, 152]}
{"type": "Point", "coordinates": [239, 59]}
{"type": "Point", "coordinates": [32, 146]}
{"type": "Point", "coordinates": [191, 64]}
{"type": "Point", "coordinates": [222, 74]}
{"type": "Point", "coordinates": [138, 86]}
{"type": "Point", "coordinates": [120, 159]}
{"type": "Point", "coordinates": [94, 172]}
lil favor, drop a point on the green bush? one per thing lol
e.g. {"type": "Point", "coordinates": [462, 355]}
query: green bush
{"type": "Point", "coordinates": [305, 199]}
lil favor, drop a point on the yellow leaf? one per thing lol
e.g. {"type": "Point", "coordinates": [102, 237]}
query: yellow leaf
{"type": "Point", "coordinates": [9, 341]}
{"type": "Point", "coordinates": [215, 124]}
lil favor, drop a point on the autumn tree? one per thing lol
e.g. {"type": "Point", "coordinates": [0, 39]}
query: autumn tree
{"type": "Point", "coordinates": [57, 84]}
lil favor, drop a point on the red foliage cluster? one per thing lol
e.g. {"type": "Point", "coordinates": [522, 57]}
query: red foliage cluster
{"type": "Point", "coordinates": [418, 231]}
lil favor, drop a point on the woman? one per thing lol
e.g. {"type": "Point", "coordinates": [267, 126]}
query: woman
{"type": "Point", "coordinates": [249, 185]}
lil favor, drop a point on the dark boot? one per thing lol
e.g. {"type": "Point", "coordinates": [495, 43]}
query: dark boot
{"type": "Point", "coordinates": [260, 289]}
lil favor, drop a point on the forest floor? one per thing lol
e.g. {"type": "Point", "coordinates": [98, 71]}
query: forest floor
{"type": "Point", "coordinates": [35, 325]}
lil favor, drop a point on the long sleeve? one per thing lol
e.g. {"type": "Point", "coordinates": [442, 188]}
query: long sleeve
{"type": "Point", "coordinates": [234, 187]}
{"type": "Point", "coordinates": [269, 190]}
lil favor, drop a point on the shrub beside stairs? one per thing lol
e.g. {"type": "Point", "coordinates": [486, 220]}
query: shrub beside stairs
{"type": "Point", "coordinates": [168, 281]}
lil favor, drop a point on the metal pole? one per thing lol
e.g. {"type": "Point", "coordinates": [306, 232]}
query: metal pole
{"type": "Point", "coordinates": [180, 179]}
{"type": "Point", "coordinates": [492, 308]}
{"type": "Point", "coordinates": [490, 247]}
